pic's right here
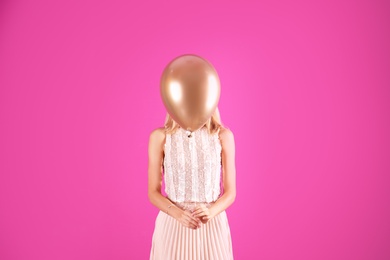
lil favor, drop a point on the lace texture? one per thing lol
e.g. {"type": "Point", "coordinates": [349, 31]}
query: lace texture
{"type": "Point", "coordinates": [192, 166]}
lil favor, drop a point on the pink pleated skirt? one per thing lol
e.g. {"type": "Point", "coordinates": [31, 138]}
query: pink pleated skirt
{"type": "Point", "coordinates": [173, 241]}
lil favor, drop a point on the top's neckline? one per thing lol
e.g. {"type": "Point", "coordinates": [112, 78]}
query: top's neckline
{"type": "Point", "coordinates": [184, 130]}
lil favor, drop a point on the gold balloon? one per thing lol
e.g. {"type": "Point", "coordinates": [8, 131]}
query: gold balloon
{"type": "Point", "coordinates": [190, 90]}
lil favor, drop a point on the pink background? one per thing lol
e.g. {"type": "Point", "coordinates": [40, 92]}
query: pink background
{"type": "Point", "coordinates": [304, 88]}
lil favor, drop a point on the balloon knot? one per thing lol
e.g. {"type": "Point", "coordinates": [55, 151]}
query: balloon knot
{"type": "Point", "coordinates": [189, 134]}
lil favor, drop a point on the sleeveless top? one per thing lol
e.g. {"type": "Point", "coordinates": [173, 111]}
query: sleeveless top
{"type": "Point", "coordinates": [192, 166]}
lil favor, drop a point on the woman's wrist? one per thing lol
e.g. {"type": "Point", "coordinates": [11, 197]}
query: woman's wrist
{"type": "Point", "coordinates": [168, 207]}
{"type": "Point", "coordinates": [212, 212]}
{"type": "Point", "coordinates": [174, 211]}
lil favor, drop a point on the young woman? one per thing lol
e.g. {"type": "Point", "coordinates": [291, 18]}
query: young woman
{"type": "Point", "coordinates": [200, 182]}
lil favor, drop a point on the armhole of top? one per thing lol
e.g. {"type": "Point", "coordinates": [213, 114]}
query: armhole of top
{"type": "Point", "coordinates": [164, 142]}
{"type": "Point", "coordinates": [220, 143]}
{"type": "Point", "coordinates": [219, 137]}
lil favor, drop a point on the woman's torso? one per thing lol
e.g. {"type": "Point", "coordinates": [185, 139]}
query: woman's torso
{"type": "Point", "coordinates": [192, 166]}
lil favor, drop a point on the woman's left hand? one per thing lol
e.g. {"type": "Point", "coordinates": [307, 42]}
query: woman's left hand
{"type": "Point", "coordinates": [202, 212]}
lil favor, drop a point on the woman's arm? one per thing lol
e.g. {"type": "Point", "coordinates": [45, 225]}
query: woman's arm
{"type": "Point", "coordinates": [155, 155]}
{"type": "Point", "coordinates": [229, 173]}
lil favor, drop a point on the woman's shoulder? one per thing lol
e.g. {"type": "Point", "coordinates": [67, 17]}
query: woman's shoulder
{"type": "Point", "coordinates": [225, 131]}
{"type": "Point", "coordinates": [226, 134]}
{"type": "Point", "coordinates": [157, 134]}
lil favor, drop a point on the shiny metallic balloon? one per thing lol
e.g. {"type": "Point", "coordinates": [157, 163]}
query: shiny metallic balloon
{"type": "Point", "coordinates": [190, 90]}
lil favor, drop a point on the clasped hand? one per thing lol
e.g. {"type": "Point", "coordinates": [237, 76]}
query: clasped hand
{"type": "Point", "coordinates": [201, 214]}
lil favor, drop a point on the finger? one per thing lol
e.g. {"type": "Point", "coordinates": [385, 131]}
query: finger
{"type": "Point", "coordinates": [206, 217]}
{"type": "Point", "coordinates": [200, 207]}
{"type": "Point", "coordinates": [190, 215]}
{"type": "Point", "coordinates": [191, 225]}
{"type": "Point", "coordinates": [190, 218]}
{"type": "Point", "coordinates": [194, 219]}
{"type": "Point", "coordinates": [200, 214]}
{"type": "Point", "coordinates": [187, 223]}
{"type": "Point", "coordinates": [191, 221]}
{"type": "Point", "coordinates": [197, 211]}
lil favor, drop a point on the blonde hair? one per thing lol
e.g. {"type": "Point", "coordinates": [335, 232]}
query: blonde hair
{"type": "Point", "coordinates": [213, 125]}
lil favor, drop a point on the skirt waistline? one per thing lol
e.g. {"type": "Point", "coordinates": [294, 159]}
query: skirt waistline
{"type": "Point", "coordinates": [191, 205]}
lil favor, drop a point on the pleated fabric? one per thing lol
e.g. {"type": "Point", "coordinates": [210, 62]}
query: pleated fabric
{"type": "Point", "coordinates": [173, 241]}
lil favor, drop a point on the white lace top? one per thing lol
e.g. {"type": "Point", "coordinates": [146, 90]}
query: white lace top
{"type": "Point", "coordinates": [192, 166]}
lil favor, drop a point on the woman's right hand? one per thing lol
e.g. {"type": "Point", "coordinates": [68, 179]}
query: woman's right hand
{"type": "Point", "coordinates": [186, 219]}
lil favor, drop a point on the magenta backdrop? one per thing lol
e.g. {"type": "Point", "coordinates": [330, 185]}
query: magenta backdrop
{"type": "Point", "coordinates": [304, 88]}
